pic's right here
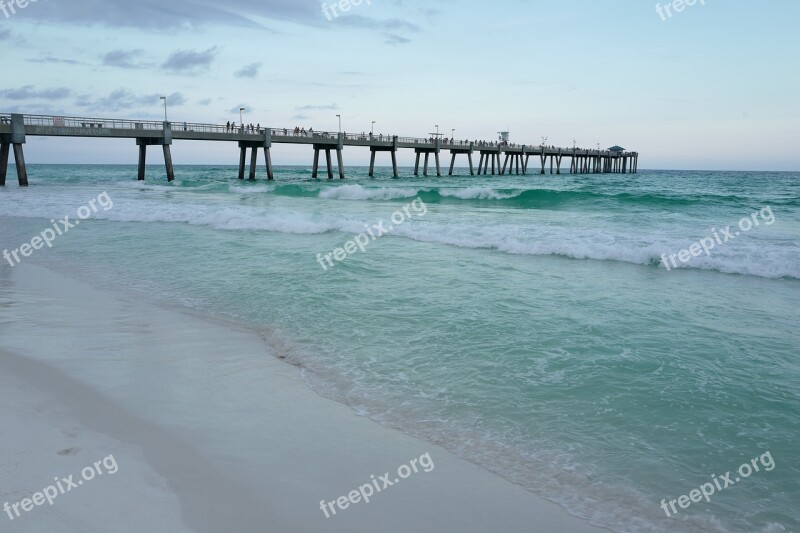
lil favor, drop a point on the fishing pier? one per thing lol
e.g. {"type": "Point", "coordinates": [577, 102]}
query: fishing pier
{"type": "Point", "coordinates": [516, 158]}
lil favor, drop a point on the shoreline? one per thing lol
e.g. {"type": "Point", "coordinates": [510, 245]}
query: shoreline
{"type": "Point", "coordinates": [307, 447]}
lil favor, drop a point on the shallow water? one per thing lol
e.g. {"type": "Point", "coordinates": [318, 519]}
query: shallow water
{"type": "Point", "coordinates": [523, 322]}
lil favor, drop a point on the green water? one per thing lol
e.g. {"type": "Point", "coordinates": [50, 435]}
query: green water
{"type": "Point", "coordinates": [522, 322]}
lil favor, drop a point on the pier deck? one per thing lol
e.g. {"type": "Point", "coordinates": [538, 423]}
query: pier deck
{"type": "Point", "coordinates": [15, 128]}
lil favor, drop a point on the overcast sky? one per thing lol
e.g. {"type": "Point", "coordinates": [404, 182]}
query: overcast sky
{"type": "Point", "coordinates": [714, 86]}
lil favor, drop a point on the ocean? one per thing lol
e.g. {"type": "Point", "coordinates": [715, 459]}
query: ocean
{"type": "Point", "coordinates": [527, 323]}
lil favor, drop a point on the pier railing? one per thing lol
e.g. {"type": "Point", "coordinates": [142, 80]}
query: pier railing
{"type": "Point", "coordinates": [87, 122]}
{"type": "Point", "coordinates": [196, 127]}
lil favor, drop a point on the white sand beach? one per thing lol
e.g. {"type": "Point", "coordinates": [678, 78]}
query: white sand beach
{"type": "Point", "coordinates": [210, 431]}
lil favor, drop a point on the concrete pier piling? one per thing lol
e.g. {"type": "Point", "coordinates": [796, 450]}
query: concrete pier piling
{"type": "Point", "coordinates": [12, 137]}
{"type": "Point", "coordinates": [459, 150]}
{"type": "Point", "coordinates": [488, 155]}
{"type": "Point", "coordinates": [164, 140]}
{"type": "Point", "coordinates": [15, 128]}
{"type": "Point", "coordinates": [383, 147]}
{"type": "Point", "coordinates": [427, 153]}
{"type": "Point", "coordinates": [4, 149]}
{"type": "Point", "coordinates": [19, 162]}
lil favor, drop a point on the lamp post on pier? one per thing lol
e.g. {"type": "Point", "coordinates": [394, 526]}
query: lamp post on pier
{"type": "Point", "coordinates": [165, 108]}
{"type": "Point", "coordinates": [340, 122]}
{"type": "Point", "coordinates": [372, 130]}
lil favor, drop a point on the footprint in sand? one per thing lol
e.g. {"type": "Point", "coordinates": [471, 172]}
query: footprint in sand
{"type": "Point", "coordinates": [69, 451]}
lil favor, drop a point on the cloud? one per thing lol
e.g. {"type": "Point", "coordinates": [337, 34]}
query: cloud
{"type": "Point", "coordinates": [184, 14]}
{"type": "Point", "coordinates": [190, 60]}
{"type": "Point", "coordinates": [205, 101]}
{"type": "Point", "coordinates": [187, 15]}
{"type": "Point", "coordinates": [49, 60]}
{"type": "Point", "coordinates": [28, 92]}
{"type": "Point", "coordinates": [394, 39]}
{"type": "Point", "coordinates": [358, 21]}
{"type": "Point", "coordinates": [328, 107]}
{"type": "Point", "coordinates": [431, 14]}
{"type": "Point", "coordinates": [38, 109]}
{"type": "Point", "coordinates": [5, 34]}
{"type": "Point", "coordinates": [124, 99]}
{"type": "Point", "coordinates": [249, 71]}
{"type": "Point", "coordinates": [122, 58]}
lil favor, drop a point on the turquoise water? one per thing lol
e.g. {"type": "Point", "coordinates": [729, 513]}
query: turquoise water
{"type": "Point", "coordinates": [522, 322]}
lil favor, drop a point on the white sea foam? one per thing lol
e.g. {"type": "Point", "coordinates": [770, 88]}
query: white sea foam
{"type": "Point", "coordinates": [751, 256]}
{"type": "Point", "coordinates": [252, 189]}
{"type": "Point", "coordinates": [477, 193]}
{"type": "Point", "coordinates": [357, 192]}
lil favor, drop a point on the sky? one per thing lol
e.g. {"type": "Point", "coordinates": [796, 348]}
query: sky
{"type": "Point", "coordinates": [712, 86]}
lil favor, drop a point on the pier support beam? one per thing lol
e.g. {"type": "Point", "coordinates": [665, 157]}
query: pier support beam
{"type": "Point", "coordinates": [19, 161]}
{"type": "Point", "coordinates": [329, 162]}
{"type": "Point", "coordinates": [315, 168]}
{"type": "Point", "coordinates": [427, 152]}
{"type": "Point", "coordinates": [468, 152]}
{"type": "Point", "coordinates": [253, 163]}
{"type": "Point", "coordinates": [383, 148]}
{"type": "Point", "coordinates": [4, 149]}
{"type": "Point", "coordinates": [513, 162]}
{"type": "Point", "coordinates": [340, 162]}
{"type": "Point", "coordinates": [168, 163]}
{"type": "Point", "coordinates": [268, 160]}
{"type": "Point", "coordinates": [373, 151]}
{"type": "Point", "coordinates": [242, 160]}
{"type": "Point", "coordinates": [486, 156]}
{"type": "Point", "coordinates": [372, 163]}
{"type": "Point", "coordinates": [165, 142]}
{"type": "Point", "coordinates": [255, 146]}
{"type": "Point", "coordinates": [14, 140]}
{"type": "Point", "coordinates": [142, 161]}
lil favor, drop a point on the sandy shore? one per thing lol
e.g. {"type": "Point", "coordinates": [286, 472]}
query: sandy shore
{"type": "Point", "coordinates": [210, 431]}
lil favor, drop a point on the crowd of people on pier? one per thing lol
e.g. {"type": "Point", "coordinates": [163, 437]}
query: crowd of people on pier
{"type": "Point", "coordinates": [298, 131]}
{"type": "Point", "coordinates": [231, 127]}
